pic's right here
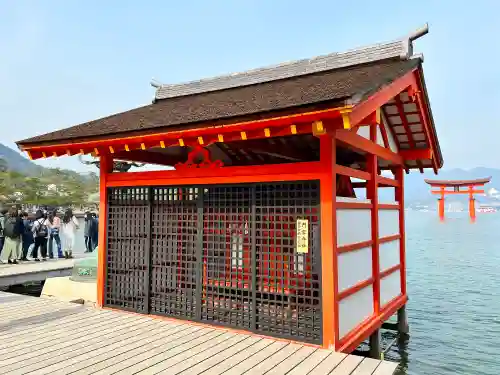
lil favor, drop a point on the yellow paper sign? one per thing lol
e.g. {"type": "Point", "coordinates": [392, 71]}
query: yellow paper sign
{"type": "Point", "coordinates": [302, 236]}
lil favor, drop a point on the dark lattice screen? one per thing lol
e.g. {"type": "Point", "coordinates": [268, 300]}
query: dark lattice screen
{"type": "Point", "coordinates": [128, 238]}
{"type": "Point", "coordinates": [220, 254]}
{"type": "Point", "coordinates": [288, 283]}
{"type": "Point", "coordinates": [227, 269]}
{"type": "Point", "coordinates": [173, 251]}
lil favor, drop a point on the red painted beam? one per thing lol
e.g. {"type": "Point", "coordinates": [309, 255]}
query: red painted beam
{"type": "Point", "coordinates": [354, 246]}
{"type": "Point", "coordinates": [351, 172]}
{"type": "Point", "coordinates": [448, 192]}
{"type": "Point", "coordinates": [362, 144]}
{"type": "Point", "coordinates": [355, 288]}
{"type": "Point", "coordinates": [416, 154]}
{"type": "Point", "coordinates": [387, 181]}
{"type": "Point", "coordinates": [390, 270]}
{"type": "Point", "coordinates": [246, 174]}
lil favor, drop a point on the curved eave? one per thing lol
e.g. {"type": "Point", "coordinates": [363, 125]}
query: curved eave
{"type": "Point", "coordinates": [479, 181]}
{"type": "Point", "coordinates": [400, 103]}
{"type": "Point", "coordinates": [298, 123]}
{"type": "Point", "coordinates": [438, 155]}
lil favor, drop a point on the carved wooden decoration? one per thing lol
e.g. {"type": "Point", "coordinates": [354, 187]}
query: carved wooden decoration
{"type": "Point", "coordinates": [118, 166]}
{"type": "Point", "coordinates": [199, 157]}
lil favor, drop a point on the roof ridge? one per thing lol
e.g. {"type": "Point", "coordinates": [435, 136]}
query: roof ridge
{"type": "Point", "coordinates": [336, 60]}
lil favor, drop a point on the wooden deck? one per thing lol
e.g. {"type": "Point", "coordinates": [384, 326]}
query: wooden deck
{"type": "Point", "coordinates": [12, 274]}
{"type": "Point", "coordinates": [45, 336]}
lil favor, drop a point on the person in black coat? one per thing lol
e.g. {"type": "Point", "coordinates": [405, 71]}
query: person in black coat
{"type": "Point", "coordinates": [27, 236]}
{"type": "Point", "coordinates": [94, 231]}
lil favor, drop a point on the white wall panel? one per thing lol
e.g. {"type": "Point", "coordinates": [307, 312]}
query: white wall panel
{"type": "Point", "coordinates": [363, 131]}
{"type": "Point", "coordinates": [354, 309]}
{"type": "Point", "coordinates": [354, 267]}
{"type": "Point", "coordinates": [388, 223]}
{"type": "Point", "coordinates": [392, 143]}
{"type": "Point", "coordinates": [380, 139]}
{"type": "Point", "coordinates": [353, 225]}
{"type": "Point", "coordinates": [388, 254]}
{"type": "Point", "coordinates": [390, 287]}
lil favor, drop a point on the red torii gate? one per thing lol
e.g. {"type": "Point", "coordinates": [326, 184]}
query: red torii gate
{"type": "Point", "coordinates": [456, 185]}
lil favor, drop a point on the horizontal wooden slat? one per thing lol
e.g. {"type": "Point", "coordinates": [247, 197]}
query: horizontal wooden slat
{"type": "Point", "coordinates": [354, 246]}
{"type": "Point", "coordinates": [354, 289]}
{"type": "Point", "coordinates": [388, 206]}
{"type": "Point", "coordinates": [351, 172]}
{"type": "Point", "coordinates": [364, 145]}
{"type": "Point", "coordinates": [387, 181]}
{"type": "Point", "coordinates": [388, 271]}
{"type": "Point", "coordinates": [394, 237]}
{"type": "Point", "coordinates": [353, 205]}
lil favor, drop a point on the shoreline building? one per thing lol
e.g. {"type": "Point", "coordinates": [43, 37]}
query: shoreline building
{"type": "Point", "coordinates": [259, 227]}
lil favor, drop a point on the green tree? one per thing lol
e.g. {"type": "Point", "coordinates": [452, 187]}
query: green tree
{"type": "Point", "coordinates": [34, 190]}
{"type": "Point", "coordinates": [71, 188]}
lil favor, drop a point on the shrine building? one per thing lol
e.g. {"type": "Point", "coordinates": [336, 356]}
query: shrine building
{"type": "Point", "coordinates": [267, 217]}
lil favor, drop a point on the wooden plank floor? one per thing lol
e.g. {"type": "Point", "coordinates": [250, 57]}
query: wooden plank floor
{"type": "Point", "coordinates": [11, 274]}
{"type": "Point", "coordinates": [45, 336]}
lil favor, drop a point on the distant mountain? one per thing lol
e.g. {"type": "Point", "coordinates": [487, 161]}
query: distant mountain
{"type": "Point", "coordinates": [17, 162]}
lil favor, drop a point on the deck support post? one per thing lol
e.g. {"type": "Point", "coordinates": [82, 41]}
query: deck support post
{"type": "Point", "coordinates": [403, 327]}
{"type": "Point", "coordinates": [375, 351]}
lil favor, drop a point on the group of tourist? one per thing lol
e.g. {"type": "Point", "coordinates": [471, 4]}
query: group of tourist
{"type": "Point", "coordinates": [20, 232]}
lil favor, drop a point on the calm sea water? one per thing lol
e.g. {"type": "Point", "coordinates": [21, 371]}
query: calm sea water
{"type": "Point", "coordinates": [453, 286]}
{"type": "Point", "coordinates": [453, 276]}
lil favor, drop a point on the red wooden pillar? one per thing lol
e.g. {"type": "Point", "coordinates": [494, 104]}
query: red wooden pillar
{"type": "Point", "coordinates": [441, 204]}
{"type": "Point", "coordinates": [106, 167]}
{"type": "Point", "coordinates": [372, 194]}
{"type": "Point", "coordinates": [472, 206]}
{"type": "Point", "coordinates": [329, 274]}
{"type": "Point", "coordinates": [402, 239]}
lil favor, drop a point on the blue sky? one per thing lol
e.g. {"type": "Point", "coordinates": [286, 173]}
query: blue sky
{"type": "Point", "coordinates": [66, 62]}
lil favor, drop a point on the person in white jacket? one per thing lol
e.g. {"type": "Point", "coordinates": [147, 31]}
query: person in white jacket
{"type": "Point", "coordinates": [69, 228]}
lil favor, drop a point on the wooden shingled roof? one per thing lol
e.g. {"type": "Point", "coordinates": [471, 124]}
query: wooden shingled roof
{"type": "Point", "coordinates": [332, 81]}
{"type": "Point", "coordinates": [333, 87]}
{"type": "Point", "coordinates": [398, 49]}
